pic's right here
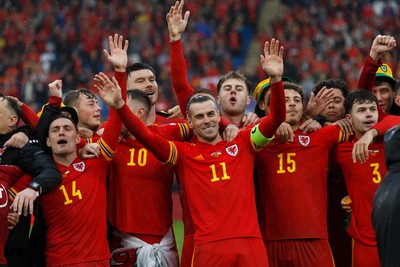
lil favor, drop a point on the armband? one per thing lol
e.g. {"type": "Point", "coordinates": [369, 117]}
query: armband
{"type": "Point", "coordinates": [258, 138]}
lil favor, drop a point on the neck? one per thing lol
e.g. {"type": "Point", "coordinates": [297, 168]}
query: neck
{"type": "Point", "coordinates": [236, 119]}
{"type": "Point", "coordinates": [151, 117]}
{"type": "Point", "coordinates": [358, 134]}
{"type": "Point", "coordinates": [65, 160]}
{"type": "Point", "coordinates": [295, 126]}
{"type": "Point", "coordinates": [8, 130]}
{"type": "Point", "coordinates": [213, 142]}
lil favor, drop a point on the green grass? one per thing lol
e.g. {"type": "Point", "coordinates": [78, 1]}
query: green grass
{"type": "Point", "coordinates": [178, 230]}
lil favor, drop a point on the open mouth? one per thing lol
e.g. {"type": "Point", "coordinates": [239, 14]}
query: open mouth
{"type": "Point", "coordinates": [149, 93]}
{"type": "Point", "coordinates": [369, 123]}
{"type": "Point", "coordinates": [233, 100]}
{"type": "Point", "coordinates": [62, 142]}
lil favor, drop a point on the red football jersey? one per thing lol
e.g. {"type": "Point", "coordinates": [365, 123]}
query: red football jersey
{"type": "Point", "coordinates": [218, 181]}
{"type": "Point", "coordinates": [75, 213]}
{"type": "Point", "coordinates": [291, 182]}
{"type": "Point", "coordinates": [8, 175]}
{"type": "Point", "coordinates": [362, 180]}
{"type": "Point", "coordinates": [139, 189]}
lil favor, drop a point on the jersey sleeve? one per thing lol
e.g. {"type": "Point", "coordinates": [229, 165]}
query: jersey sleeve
{"type": "Point", "coordinates": [121, 79]}
{"type": "Point", "coordinates": [109, 139]}
{"type": "Point", "coordinates": [174, 131]}
{"type": "Point", "coordinates": [180, 83]}
{"type": "Point", "coordinates": [263, 133]}
{"type": "Point", "coordinates": [367, 79]}
{"type": "Point", "coordinates": [162, 149]}
{"type": "Point", "coordinates": [28, 116]}
{"type": "Point", "coordinates": [112, 129]}
{"type": "Point", "coordinates": [385, 124]}
{"type": "Point", "coordinates": [35, 161]}
{"type": "Point", "coordinates": [367, 76]}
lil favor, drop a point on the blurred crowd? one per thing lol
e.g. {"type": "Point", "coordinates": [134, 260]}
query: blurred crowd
{"type": "Point", "coordinates": [330, 39]}
{"type": "Point", "coordinates": [44, 40]}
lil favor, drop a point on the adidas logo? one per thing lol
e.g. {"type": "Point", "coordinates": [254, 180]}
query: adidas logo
{"type": "Point", "coordinates": [199, 157]}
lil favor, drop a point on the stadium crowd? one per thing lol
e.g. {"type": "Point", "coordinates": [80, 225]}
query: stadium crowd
{"type": "Point", "coordinates": [42, 40]}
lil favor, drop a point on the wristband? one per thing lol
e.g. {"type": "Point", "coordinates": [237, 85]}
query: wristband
{"type": "Point", "coordinates": [35, 186]}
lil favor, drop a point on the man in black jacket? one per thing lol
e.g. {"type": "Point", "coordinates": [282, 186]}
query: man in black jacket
{"type": "Point", "coordinates": [386, 205]}
{"type": "Point", "coordinates": [14, 162]}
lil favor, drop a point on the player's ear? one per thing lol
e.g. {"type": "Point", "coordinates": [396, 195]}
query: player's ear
{"type": "Point", "coordinates": [218, 99]}
{"type": "Point", "coordinates": [348, 117]}
{"type": "Point", "coordinates": [248, 100]}
{"type": "Point", "coordinates": [189, 121]}
{"type": "Point", "coordinates": [140, 113]}
{"type": "Point", "coordinates": [12, 120]}
{"type": "Point", "coordinates": [261, 105]}
{"type": "Point", "coordinates": [397, 100]}
{"type": "Point", "coordinates": [48, 142]}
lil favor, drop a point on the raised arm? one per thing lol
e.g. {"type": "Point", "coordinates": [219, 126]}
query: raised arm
{"type": "Point", "coordinates": [118, 57]}
{"type": "Point", "coordinates": [109, 139]}
{"type": "Point", "coordinates": [272, 63]}
{"type": "Point", "coordinates": [380, 45]}
{"type": "Point", "coordinates": [176, 26]}
{"type": "Point", "coordinates": [159, 146]}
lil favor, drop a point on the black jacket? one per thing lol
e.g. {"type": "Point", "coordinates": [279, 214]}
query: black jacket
{"type": "Point", "coordinates": [386, 204]}
{"type": "Point", "coordinates": [30, 159]}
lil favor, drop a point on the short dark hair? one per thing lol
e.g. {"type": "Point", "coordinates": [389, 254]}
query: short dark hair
{"type": "Point", "coordinates": [12, 106]}
{"type": "Point", "coordinates": [202, 91]}
{"type": "Point", "coordinates": [71, 98]}
{"type": "Point", "coordinates": [199, 99]}
{"type": "Point", "coordinates": [359, 96]}
{"type": "Point", "coordinates": [234, 75]}
{"type": "Point", "coordinates": [332, 83]}
{"type": "Point", "coordinates": [293, 86]}
{"type": "Point", "coordinates": [379, 80]}
{"type": "Point", "coordinates": [140, 96]}
{"type": "Point", "coordinates": [62, 116]}
{"type": "Point", "coordinates": [286, 85]}
{"type": "Point", "coordinates": [139, 66]}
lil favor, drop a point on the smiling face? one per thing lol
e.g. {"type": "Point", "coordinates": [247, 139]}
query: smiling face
{"type": "Point", "coordinates": [145, 81]}
{"type": "Point", "coordinates": [233, 97]}
{"type": "Point", "coordinates": [63, 137]}
{"type": "Point", "coordinates": [363, 116]}
{"type": "Point", "coordinates": [204, 120]}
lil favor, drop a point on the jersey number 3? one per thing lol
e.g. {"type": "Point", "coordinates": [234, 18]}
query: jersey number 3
{"type": "Point", "coordinates": [377, 175]}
